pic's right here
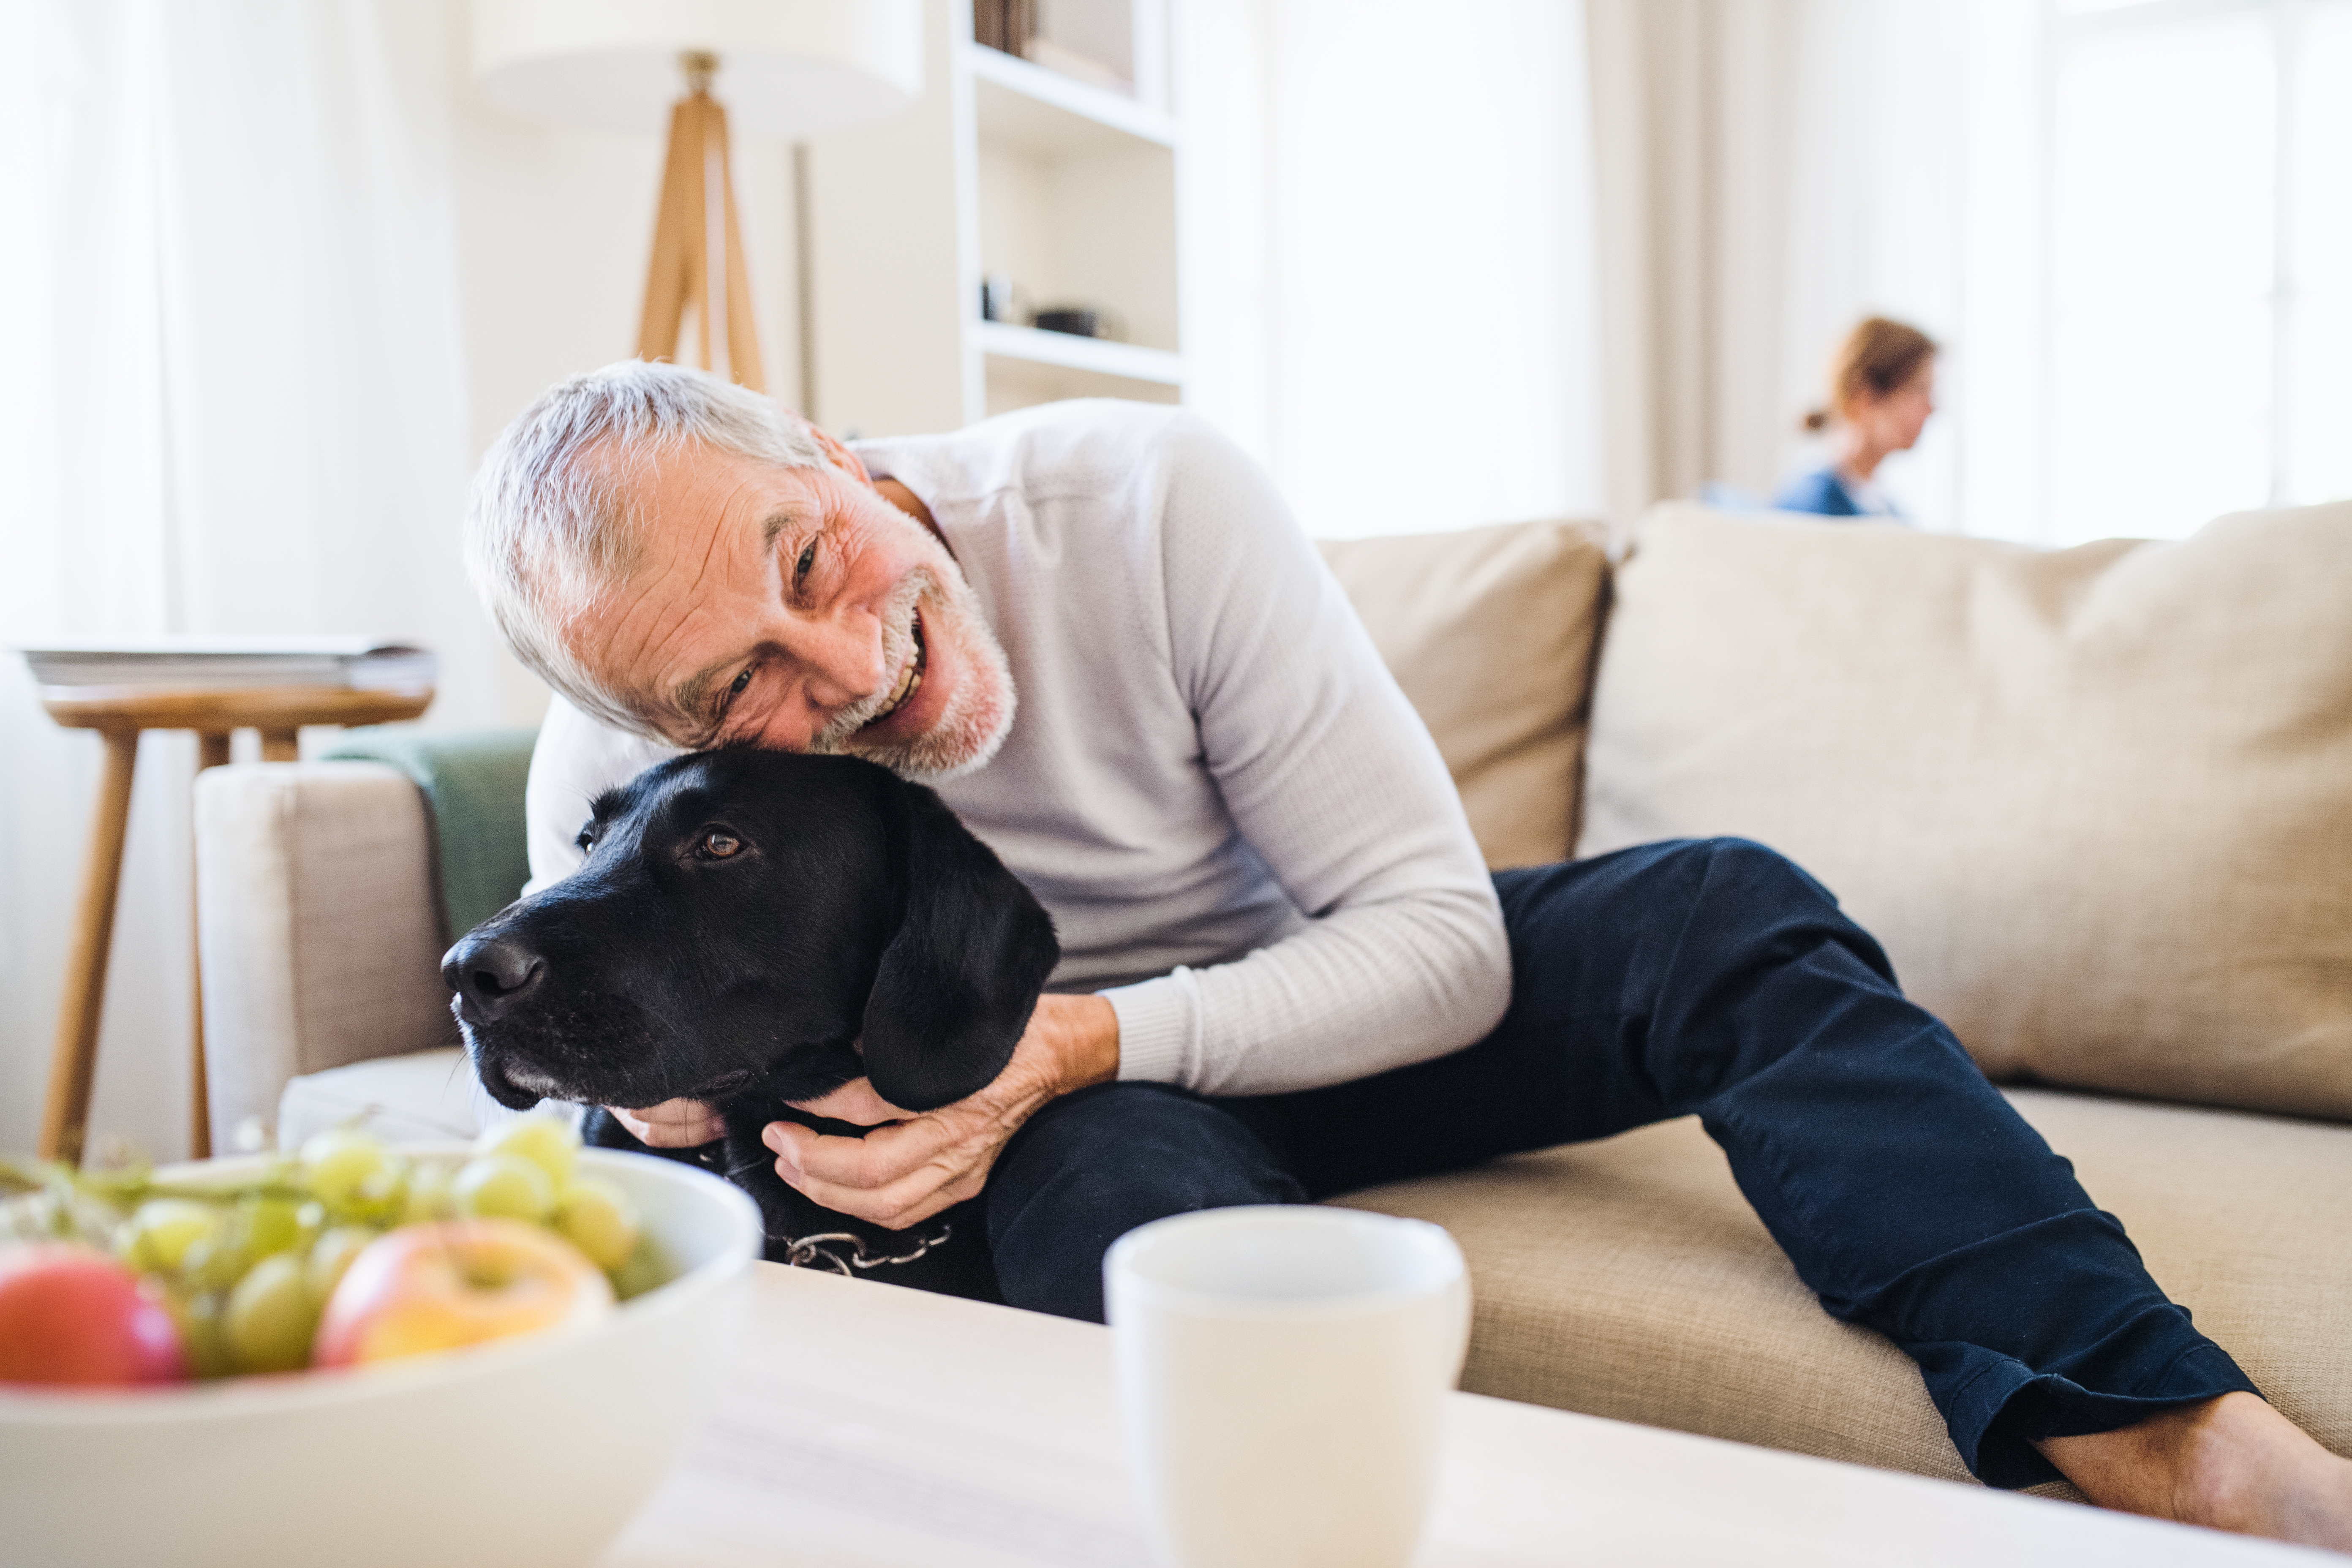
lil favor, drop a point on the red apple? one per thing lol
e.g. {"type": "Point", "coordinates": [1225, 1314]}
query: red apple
{"type": "Point", "coordinates": [435, 1287]}
{"type": "Point", "coordinates": [70, 1314]}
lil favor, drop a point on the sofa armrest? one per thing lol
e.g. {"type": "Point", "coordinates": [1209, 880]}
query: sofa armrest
{"type": "Point", "coordinates": [319, 926]}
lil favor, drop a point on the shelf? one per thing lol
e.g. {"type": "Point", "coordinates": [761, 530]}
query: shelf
{"type": "Point", "coordinates": [1012, 384]}
{"type": "Point", "coordinates": [1046, 113]}
{"type": "Point", "coordinates": [1130, 362]}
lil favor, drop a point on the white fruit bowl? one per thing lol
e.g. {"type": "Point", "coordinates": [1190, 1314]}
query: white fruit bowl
{"type": "Point", "coordinates": [526, 1453]}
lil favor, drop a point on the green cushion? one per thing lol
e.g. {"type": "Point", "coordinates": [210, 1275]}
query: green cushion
{"type": "Point", "coordinates": [473, 784]}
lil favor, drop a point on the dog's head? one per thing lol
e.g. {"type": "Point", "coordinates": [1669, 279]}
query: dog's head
{"type": "Point", "coordinates": [750, 918]}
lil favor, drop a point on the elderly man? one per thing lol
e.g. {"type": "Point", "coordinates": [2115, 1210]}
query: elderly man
{"type": "Point", "coordinates": [1094, 628]}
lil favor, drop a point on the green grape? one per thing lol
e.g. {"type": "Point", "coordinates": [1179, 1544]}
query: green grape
{"type": "Point", "coordinates": [547, 1142]}
{"type": "Point", "coordinates": [272, 1225]}
{"type": "Point", "coordinates": [198, 1313]}
{"type": "Point", "coordinates": [271, 1318]}
{"type": "Point", "coordinates": [330, 1255]}
{"type": "Point", "coordinates": [643, 1269]}
{"type": "Point", "coordinates": [353, 1174]}
{"type": "Point", "coordinates": [601, 1220]}
{"type": "Point", "coordinates": [503, 1187]}
{"type": "Point", "coordinates": [427, 1197]}
{"type": "Point", "coordinates": [159, 1235]}
{"type": "Point", "coordinates": [219, 1260]}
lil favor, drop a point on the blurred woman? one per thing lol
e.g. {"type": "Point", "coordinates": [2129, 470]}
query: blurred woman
{"type": "Point", "coordinates": [1881, 389]}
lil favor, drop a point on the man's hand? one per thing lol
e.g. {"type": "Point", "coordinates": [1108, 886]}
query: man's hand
{"type": "Point", "coordinates": [912, 1166]}
{"type": "Point", "coordinates": [674, 1124]}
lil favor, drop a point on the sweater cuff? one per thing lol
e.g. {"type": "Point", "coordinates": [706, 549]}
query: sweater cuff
{"type": "Point", "coordinates": [1156, 1026]}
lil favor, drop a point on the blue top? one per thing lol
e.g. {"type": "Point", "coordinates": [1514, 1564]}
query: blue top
{"type": "Point", "coordinates": [1820, 491]}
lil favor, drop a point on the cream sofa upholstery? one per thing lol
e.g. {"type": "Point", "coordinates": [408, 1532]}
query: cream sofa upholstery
{"type": "Point", "coordinates": [2059, 784]}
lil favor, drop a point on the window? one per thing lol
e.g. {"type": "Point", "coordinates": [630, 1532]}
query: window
{"type": "Point", "coordinates": [2198, 261]}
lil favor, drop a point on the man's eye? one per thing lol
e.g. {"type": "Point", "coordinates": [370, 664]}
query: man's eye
{"type": "Point", "coordinates": [718, 844]}
{"type": "Point", "coordinates": [740, 683]}
{"type": "Point", "coordinates": [806, 563]}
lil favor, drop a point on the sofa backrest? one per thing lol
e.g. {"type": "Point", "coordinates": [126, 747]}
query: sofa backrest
{"type": "Point", "coordinates": [1490, 632]}
{"type": "Point", "coordinates": [2096, 803]}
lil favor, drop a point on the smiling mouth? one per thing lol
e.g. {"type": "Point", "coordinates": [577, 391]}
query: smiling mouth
{"type": "Point", "coordinates": [909, 682]}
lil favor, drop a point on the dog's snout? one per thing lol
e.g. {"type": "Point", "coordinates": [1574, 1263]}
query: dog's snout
{"type": "Point", "coordinates": [492, 973]}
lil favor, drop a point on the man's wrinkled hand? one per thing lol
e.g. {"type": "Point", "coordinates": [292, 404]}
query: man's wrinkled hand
{"type": "Point", "coordinates": [910, 1167]}
{"type": "Point", "coordinates": [672, 1124]}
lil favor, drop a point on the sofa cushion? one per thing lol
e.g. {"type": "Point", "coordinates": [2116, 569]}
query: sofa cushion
{"type": "Point", "coordinates": [2097, 803]}
{"type": "Point", "coordinates": [1630, 1278]}
{"type": "Point", "coordinates": [1490, 632]}
{"type": "Point", "coordinates": [421, 1096]}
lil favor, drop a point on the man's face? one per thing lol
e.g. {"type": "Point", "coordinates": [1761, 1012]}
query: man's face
{"type": "Point", "coordinates": [796, 609]}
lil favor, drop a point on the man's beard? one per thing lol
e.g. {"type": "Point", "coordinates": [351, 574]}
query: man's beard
{"type": "Point", "coordinates": [979, 712]}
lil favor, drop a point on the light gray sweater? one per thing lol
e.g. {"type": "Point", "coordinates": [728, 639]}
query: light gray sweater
{"type": "Point", "coordinates": [1246, 838]}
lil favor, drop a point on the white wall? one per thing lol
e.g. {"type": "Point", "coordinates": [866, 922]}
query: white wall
{"type": "Point", "coordinates": [1391, 292]}
{"type": "Point", "coordinates": [545, 237]}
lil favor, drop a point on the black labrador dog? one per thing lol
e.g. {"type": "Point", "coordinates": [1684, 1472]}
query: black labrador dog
{"type": "Point", "coordinates": [752, 928]}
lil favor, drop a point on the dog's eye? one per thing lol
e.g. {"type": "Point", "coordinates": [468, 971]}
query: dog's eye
{"type": "Point", "coordinates": [587, 839]}
{"type": "Point", "coordinates": [718, 844]}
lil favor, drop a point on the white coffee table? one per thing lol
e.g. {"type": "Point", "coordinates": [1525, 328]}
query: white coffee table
{"type": "Point", "coordinates": [868, 1426]}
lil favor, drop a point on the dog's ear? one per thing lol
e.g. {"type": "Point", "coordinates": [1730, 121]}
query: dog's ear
{"type": "Point", "coordinates": [958, 981]}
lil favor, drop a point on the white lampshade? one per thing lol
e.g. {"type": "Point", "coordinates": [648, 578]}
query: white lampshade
{"type": "Point", "coordinates": [786, 67]}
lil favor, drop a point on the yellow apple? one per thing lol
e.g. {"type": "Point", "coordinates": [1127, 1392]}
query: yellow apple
{"type": "Point", "coordinates": [426, 1287]}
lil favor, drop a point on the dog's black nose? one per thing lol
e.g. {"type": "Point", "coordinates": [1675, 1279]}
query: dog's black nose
{"type": "Point", "coordinates": [492, 973]}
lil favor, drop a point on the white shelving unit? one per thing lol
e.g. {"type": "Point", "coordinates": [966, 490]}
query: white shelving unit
{"type": "Point", "coordinates": [1005, 168]}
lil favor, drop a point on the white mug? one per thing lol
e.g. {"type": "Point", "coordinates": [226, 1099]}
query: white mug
{"type": "Point", "coordinates": [1282, 1381]}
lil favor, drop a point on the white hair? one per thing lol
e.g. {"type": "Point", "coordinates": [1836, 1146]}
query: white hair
{"type": "Point", "coordinates": [554, 524]}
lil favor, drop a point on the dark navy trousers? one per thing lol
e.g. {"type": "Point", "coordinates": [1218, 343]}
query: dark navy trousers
{"type": "Point", "coordinates": [1711, 977]}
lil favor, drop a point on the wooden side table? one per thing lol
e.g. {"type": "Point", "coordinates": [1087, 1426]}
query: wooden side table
{"type": "Point", "coordinates": [118, 714]}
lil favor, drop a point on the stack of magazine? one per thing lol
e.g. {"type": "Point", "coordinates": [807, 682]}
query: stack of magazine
{"type": "Point", "coordinates": [360, 664]}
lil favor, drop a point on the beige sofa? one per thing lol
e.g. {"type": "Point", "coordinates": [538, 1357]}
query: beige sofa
{"type": "Point", "coordinates": [2097, 804]}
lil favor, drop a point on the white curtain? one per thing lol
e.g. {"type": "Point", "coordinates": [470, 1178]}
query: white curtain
{"type": "Point", "coordinates": [234, 403]}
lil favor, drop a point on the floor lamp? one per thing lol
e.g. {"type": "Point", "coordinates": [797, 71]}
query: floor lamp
{"type": "Point", "coordinates": [791, 69]}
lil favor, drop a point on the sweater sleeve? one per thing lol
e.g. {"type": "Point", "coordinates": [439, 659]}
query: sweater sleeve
{"type": "Point", "coordinates": [1333, 781]}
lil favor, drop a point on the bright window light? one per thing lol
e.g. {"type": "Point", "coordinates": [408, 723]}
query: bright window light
{"type": "Point", "coordinates": [2316, 461]}
{"type": "Point", "coordinates": [2162, 228]}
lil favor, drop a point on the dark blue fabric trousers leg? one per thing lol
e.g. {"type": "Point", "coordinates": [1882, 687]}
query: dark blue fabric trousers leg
{"type": "Point", "coordinates": [1714, 978]}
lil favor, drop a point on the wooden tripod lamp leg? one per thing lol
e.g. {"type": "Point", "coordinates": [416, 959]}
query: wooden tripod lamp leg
{"type": "Point", "coordinates": [698, 255]}
{"type": "Point", "coordinates": [212, 751]}
{"type": "Point", "coordinates": [672, 279]}
{"type": "Point", "coordinates": [742, 333]}
{"type": "Point", "coordinates": [73, 1063]}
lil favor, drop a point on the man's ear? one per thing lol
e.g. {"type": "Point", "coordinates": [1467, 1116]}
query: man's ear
{"type": "Point", "coordinates": [839, 456]}
{"type": "Point", "coordinates": [956, 983]}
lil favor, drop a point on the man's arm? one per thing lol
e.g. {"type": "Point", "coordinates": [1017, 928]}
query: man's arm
{"type": "Point", "coordinates": [1334, 782]}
